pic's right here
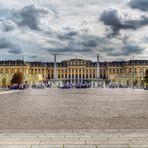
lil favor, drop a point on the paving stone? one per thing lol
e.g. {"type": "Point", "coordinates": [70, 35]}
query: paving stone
{"type": "Point", "coordinates": [126, 130]}
{"type": "Point", "coordinates": [107, 142]}
{"type": "Point", "coordinates": [142, 138]}
{"type": "Point", "coordinates": [112, 146]}
{"type": "Point", "coordinates": [69, 138]}
{"type": "Point", "coordinates": [107, 135]}
{"type": "Point", "coordinates": [138, 146]}
{"type": "Point", "coordinates": [98, 138]}
{"type": "Point", "coordinates": [72, 142]}
{"type": "Point", "coordinates": [35, 139]}
{"type": "Point", "coordinates": [140, 130]}
{"type": "Point", "coordinates": [52, 136]}
{"type": "Point", "coordinates": [96, 130]}
{"type": "Point", "coordinates": [80, 130]}
{"type": "Point", "coordinates": [79, 146]}
{"type": "Point", "coordinates": [46, 146]}
{"type": "Point", "coordinates": [79, 136]}
{"type": "Point", "coordinates": [135, 135]}
{"type": "Point", "coordinates": [111, 131]}
{"type": "Point", "coordinates": [141, 142]}
{"type": "Point", "coordinates": [25, 134]}
{"type": "Point", "coordinates": [15, 146]}
{"type": "Point", "coordinates": [123, 138]}
{"type": "Point", "coordinates": [76, 138]}
{"type": "Point", "coordinates": [64, 130]}
{"type": "Point", "coordinates": [20, 142]}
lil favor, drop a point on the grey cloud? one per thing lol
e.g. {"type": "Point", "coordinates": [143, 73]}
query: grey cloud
{"type": "Point", "coordinates": [6, 26]}
{"type": "Point", "coordinates": [7, 44]}
{"type": "Point", "coordinates": [82, 40]}
{"type": "Point", "coordinates": [131, 49]}
{"type": "Point", "coordinates": [33, 57]}
{"type": "Point", "coordinates": [67, 36]}
{"type": "Point", "coordinates": [89, 43]}
{"type": "Point", "coordinates": [81, 44]}
{"type": "Point", "coordinates": [72, 33]}
{"type": "Point", "coordinates": [54, 9]}
{"type": "Point", "coordinates": [77, 42]}
{"type": "Point", "coordinates": [126, 50]}
{"type": "Point", "coordinates": [139, 4]}
{"type": "Point", "coordinates": [68, 49]}
{"type": "Point", "coordinates": [114, 20]}
{"type": "Point", "coordinates": [15, 51]}
{"type": "Point", "coordinates": [107, 50]}
{"type": "Point", "coordinates": [6, 13]}
{"type": "Point", "coordinates": [29, 16]}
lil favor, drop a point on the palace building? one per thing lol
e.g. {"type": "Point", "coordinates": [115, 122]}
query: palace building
{"type": "Point", "coordinates": [76, 71]}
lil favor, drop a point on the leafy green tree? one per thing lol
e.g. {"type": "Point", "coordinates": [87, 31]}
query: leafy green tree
{"type": "Point", "coordinates": [146, 78]}
{"type": "Point", "coordinates": [17, 78]}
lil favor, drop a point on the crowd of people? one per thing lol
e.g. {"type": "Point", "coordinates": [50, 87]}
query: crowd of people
{"type": "Point", "coordinates": [18, 87]}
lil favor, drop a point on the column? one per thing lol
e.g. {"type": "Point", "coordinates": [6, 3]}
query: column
{"type": "Point", "coordinates": [55, 67]}
{"type": "Point", "coordinates": [85, 73]}
{"type": "Point", "coordinates": [133, 73]}
{"type": "Point", "coordinates": [81, 76]}
{"type": "Point", "coordinates": [67, 74]}
{"type": "Point", "coordinates": [98, 66]}
{"type": "Point", "coordinates": [64, 74]}
{"type": "Point", "coordinates": [74, 76]}
{"type": "Point", "coordinates": [78, 72]}
{"type": "Point", "coordinates": [71, 76]}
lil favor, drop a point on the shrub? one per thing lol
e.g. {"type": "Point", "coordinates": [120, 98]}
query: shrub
{"type": "Point", "coordinates": [17, 78]}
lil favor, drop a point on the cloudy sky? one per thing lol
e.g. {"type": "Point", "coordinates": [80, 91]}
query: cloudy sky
{"type": "Point", "coordinates": [37, 29]}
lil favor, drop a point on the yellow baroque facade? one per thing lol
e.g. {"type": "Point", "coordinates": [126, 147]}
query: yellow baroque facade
{"type": "Point", "coordinates": [76, 71]}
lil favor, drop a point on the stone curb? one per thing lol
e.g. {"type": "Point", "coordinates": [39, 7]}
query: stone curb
{"type": "Point", "coordinates": [10, 92]}
{"type": "Point", "coordinates": [107, 138]}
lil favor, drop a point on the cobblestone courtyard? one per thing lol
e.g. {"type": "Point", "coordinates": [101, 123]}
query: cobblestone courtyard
{"type": "Point", "coordinates": [56, 109]}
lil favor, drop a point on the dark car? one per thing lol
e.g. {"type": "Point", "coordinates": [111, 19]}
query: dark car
{"type": "Point", "coordinates": [66, 86]}
{"type": "Point", "coordinates": [82, 86]}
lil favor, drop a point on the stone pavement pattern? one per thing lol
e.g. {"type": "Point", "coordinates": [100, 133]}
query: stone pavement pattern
{"type": "Point", "coordinates": [74, 109]}
{"type": "Point", "coordinates": [121, 138]}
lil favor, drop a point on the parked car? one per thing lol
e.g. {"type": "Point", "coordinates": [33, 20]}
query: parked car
{"type": "Point", "coordinates": [82, 86]}
{"type": "Point", "coordinates": [66, 86]}
{"type": "Point", "coordinates": [113, 85]}
{"type": "Point", "coordinates": [39, 86]}
{"type": "Point", "coordinates": [18, 87]}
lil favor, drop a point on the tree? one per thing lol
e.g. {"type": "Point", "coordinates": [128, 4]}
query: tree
{"type": "Point", "coordinates": [17, 78]}
{"type": "Point", "coordinates": [146, 78]}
